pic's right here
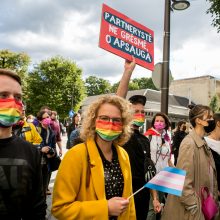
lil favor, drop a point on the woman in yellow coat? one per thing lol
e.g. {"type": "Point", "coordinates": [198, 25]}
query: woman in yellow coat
{"type": "Point", "coordinates": [94, 178]}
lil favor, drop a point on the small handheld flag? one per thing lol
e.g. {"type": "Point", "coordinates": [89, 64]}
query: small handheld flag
{"type": "Point", "coordinates": [170, 180]}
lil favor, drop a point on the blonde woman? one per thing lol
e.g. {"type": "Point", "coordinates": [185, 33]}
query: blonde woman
{"type": "Point", "coordinates": [94, 178]}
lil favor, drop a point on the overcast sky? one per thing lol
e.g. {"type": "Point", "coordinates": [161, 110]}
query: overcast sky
{"type": "Point", "coordinates": [70, 28]}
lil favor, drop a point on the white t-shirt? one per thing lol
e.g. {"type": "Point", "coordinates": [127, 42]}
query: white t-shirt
{"type": "Point", "coordinates": [213, 144]}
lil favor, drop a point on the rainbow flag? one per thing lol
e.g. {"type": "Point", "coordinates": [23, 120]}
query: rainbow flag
{"type": "Point", "coordinates": [169, 180]}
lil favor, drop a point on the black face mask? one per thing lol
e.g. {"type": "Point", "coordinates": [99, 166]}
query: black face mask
{"type": "Point", "coordinates": [210, 127]}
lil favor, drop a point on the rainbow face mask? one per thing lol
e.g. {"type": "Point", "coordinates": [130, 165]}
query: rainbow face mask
{"type": "Point", "coordinates": [138, 119]}
{"type": "Point", "coordinates": [10, 112]}
{"type": "Point", "coordinates": [107, 130]}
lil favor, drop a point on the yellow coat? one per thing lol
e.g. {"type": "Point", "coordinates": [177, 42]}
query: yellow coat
{"type": "Point", "coordinates": [79, 193]}
{"type": "Point", "coordinates": [30, 133]}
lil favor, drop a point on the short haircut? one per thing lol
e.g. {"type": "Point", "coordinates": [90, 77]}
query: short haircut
{"type": "Point", "coordinates": [10, 73]}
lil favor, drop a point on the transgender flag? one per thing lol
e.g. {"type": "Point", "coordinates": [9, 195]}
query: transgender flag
{"type": "Point", "coordinates": [169, 180]}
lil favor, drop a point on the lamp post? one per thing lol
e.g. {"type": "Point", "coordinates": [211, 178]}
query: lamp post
{"type": "Point", "coordinates": [177, 5]}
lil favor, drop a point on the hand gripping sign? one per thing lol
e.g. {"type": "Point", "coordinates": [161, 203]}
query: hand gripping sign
{"type": "Point", "coordinates": [126, 38]}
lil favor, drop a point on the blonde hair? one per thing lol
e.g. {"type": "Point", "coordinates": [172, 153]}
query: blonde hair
{"type": "Point", "coordinates": [90, 115]}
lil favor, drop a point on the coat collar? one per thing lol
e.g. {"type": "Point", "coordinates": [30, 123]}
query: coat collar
{"type": "Point", "coordinates": [97, 170]}
{"type": "Point", "coordinates": [200, 142]}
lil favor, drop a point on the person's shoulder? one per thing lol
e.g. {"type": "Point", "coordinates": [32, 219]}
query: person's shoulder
{"type": "Point", "coordinates": [25, 146]}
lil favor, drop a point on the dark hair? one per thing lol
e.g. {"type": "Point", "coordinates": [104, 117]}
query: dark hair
{"type": "Point", "coordinates": [179, 124]}
{"type": "Point", "coordinates": [164, 116]}
{"type": "Point", "coordinates": [197, 111]}
{"type": "Point", "coordinates": [138, 99]}
{"type": "Point", "coordinates": [216, 117]}
{"type": "Point", "coordinates": [40, 115]}
{"type": "Point", "coordinates": [9, 73]}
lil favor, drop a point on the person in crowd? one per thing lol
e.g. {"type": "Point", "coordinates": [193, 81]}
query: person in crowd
{"type": "Point", "coordinates": [213, 141]}
{"type": "Point", "coordinates": [75, 137]}
{"type": "Point", "coordinates": [43, 108]}
{"type": "Point", "coordinates": [177, 138]}
{"type": "Point", "coordinates": [94, 178]}
{"type": "Point", "coordinates": [30, 118]}
{"type": "Point", "coordinates": [73, 125]}
{"type": "Point", "coordinates": [196, 159]}
{"type": "Point", "coordinates": [55, 126]}
{"type": "Point", "coordinates": [62, 129]}
{"type": "Point", "coordinates": [26, 131]}
{"type": "Point", "coordinates": [138, 147]}
{"type": "Point", "coordinates": [21, 191]}
{"type": "Point", "coordinates": [160, 151]}
{"type": "Point", "coordinates": [48, 146]}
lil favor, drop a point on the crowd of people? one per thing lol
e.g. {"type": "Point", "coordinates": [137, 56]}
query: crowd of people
{"type": "Point", "coordinates": [108, 159]}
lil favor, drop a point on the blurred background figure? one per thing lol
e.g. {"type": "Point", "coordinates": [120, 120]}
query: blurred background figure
{"type": "Point", "coordinates": [26, 130]}
{"type": "Point", "coordinates": [72, 126]}
{"type": "Point", "coordinates": [30, 118]}
{"type": "Point", "coordinates": [48, 146]}
{"type": "Point", "coordinates": [178, 135]}
{"type": "Point", "coordinates": [55, 126]}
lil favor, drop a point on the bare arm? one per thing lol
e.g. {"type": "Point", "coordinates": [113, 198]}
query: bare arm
{"type": "Point", "coordinates": [124, 82]}
{"type": "Point", "coordinates": [156, 202]}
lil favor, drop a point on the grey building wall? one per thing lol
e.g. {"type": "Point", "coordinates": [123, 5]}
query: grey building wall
{"type": "Point", "coordinates": [198, 89]}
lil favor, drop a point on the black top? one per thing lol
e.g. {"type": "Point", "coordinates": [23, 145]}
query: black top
{"type": "Point", "coordinates": [177, 139]}
{"type": "Point", "coordinates": [134, 148]}
{"type": "Point", "coordinates": [216, 157]}
{"type": "Point", "coordinates": [21, 192]}
{"type": "Point", "coordinates": [114, 180]}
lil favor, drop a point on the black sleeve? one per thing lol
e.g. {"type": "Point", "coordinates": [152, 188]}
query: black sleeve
{"type": "Point", "coordinates": [39, 203]}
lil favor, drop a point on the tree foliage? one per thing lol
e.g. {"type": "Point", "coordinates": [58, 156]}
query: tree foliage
{"type": "Point", "coordinates": [214, 103]}
{"type": "Point", "coordinates": [57, 83]}
{"type": "Point", "coordinates": [97, 86]}
{"type": "Point", "coordinates": [17, 62]}
{"type": "Point", "coordinates": [145, 83]}
{"type": "Point", "coordinates": [214, 10]}
{"type": "Point", "coordinates": [137, 83]}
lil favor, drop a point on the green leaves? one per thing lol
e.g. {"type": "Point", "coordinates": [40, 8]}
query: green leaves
{"type": "Point", "coordinates": [97, 86]}
{"type": "Point", "coordinates": [57, 83]}
{"type": "Point", "coordinates": [214, 10]}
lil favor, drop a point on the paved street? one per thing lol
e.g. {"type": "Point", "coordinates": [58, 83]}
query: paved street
{"type": "Point", "coordinates": [53, 176]}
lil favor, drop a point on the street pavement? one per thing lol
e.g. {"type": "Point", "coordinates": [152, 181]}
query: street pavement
{"type": "Point", "coordinates": [52, 180]}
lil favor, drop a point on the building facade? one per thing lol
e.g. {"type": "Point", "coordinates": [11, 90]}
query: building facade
{"type": "Point", "coordinates": [198, 89]}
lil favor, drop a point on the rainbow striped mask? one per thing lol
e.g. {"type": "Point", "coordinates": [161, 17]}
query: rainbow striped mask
{"type": "Point", "coordinates": [10, 112]}
{"type": "Point", "coordinates": [107, 130]}
{"type": "Point", "coordinates": [138, 119]}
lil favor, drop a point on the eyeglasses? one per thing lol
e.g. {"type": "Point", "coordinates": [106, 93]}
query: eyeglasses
{"type": "Point", "coordinates": [108, 119]}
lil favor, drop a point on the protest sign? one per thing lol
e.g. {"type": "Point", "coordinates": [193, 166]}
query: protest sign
{"type": "Point", "coordinates": [126, 38]}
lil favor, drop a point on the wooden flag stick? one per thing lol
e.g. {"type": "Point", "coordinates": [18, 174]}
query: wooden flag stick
{"type": "Point", "coordinates": [136, 192]}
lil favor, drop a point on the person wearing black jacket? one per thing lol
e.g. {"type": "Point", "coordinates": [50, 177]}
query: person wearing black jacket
{"type": "Point", "coordinates": [48, 147]}
{"type": "Point", "coordinates": [177, 138]}
{"type": "Point", "coordinates": [21, 189]}
{"type": "Point", "coordinates": [138, 148]}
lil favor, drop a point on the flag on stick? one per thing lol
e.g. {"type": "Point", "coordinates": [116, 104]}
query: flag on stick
{"type": "Point", "coordinates": [169, 180]}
